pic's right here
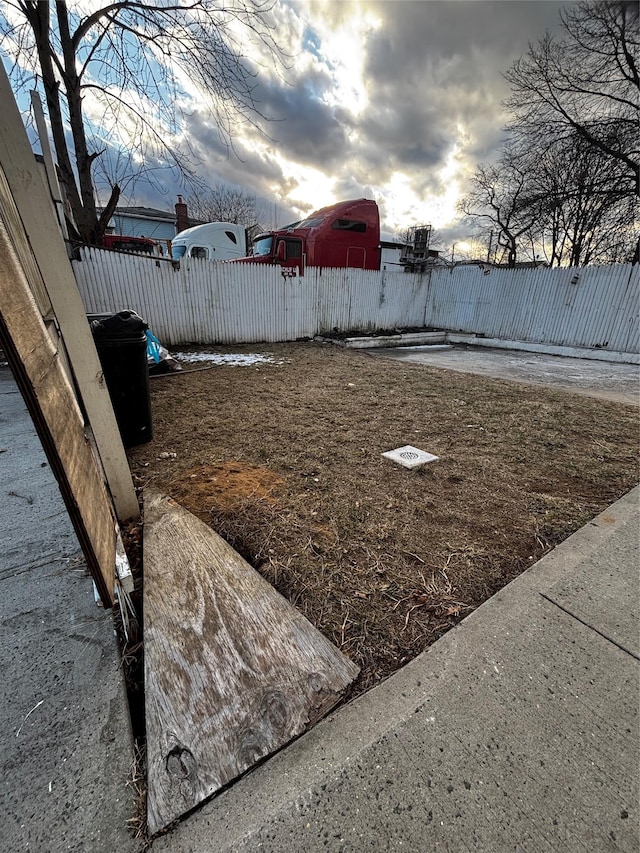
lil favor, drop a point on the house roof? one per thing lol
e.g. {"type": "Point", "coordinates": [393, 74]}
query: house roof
{"type": "Point", "coordinates": [151, 213]}
{"type": "Point", "coordinates": [146, 213]}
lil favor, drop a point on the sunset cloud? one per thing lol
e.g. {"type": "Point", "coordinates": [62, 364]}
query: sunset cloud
{"type": "Point", "coordinates": [394, 100]}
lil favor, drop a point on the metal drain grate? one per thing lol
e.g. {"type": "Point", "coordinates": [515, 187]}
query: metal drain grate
{"type": "Point", "coordinates": [410, 457]}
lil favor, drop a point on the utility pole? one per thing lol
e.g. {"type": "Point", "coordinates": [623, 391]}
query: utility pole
{"type": "Point", "coordinates": [489, 249]}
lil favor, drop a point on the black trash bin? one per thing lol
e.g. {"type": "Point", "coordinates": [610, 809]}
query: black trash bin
{"type": "Point", "coordinates": [122, 348]}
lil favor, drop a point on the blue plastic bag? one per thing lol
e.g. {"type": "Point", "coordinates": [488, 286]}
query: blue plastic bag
{"type": "Point", "coordinates": [153, 347]}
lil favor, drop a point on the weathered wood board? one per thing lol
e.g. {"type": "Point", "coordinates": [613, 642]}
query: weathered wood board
{"type": "Point", "coordinates": [37, 366]}
{"type": "Point", "coordinates": [30, 220]}
{"type": "Point", "coordinates": [232, 670]}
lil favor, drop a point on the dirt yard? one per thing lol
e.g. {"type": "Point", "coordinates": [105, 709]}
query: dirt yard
{"type": "Point", "coordinates": [284, 460]}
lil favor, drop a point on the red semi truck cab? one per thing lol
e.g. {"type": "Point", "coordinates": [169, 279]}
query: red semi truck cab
{"type": "Point", "coordinates": [346, 234]}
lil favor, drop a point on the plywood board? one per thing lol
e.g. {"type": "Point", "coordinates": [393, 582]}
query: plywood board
{"type": "Point", "coordinates": [232, 670]}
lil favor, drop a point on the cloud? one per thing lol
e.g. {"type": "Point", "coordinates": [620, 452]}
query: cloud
{"type": "Point", "coordinates": [303, 127]}
{"type": "Point", "coordinates": [434, 75]}
{"type": "Point", "coordinates": [398, 101]}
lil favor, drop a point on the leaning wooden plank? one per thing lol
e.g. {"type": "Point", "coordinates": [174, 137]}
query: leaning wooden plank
{"type": "Point", "coordinates": [232, 670]}
{"type": "Point", "coordinates": [51, 401]}
{"type": "Point", "coordinates": [35, 231]}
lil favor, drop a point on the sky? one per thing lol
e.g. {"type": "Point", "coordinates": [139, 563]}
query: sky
{"type": "Point", "coordinates": [396, 101]}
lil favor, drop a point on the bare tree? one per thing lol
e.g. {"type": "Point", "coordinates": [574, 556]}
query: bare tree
{"type": "Point", "coordinates": [566, 182]}
{"type": "Point", "coordinates": [224, 203]}
{"type": "Point", "coordinates": [498, 204]}
{"type": "Point", "coordinates": [115, 75]}
{"type": "Point", "coordinates": [565, 204]}
{"type": "Point", "coordinates": [582, 214]}
{"type": "Point", "coordinates": [586, 84]}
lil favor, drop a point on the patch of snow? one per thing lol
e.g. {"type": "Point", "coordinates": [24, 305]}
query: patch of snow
{"type": "Point", "coordinates": [234, 359]}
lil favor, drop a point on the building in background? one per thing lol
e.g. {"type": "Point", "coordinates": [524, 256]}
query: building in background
{"type": "Point", "coordinates": [390, 255]}
{"type": "Point", "coordinates": [158, 225]}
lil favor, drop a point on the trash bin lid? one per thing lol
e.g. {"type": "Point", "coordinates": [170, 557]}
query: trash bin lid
{"type": "Point", "coordinates": [124, 324]}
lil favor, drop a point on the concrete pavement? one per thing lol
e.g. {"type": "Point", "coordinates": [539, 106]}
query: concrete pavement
{"type": "Point", "coordinates": [604, 379]}
{"type": "Point", "coordinates": [518, 730]}
{"type": "Point", "coordinates": [65, 751]}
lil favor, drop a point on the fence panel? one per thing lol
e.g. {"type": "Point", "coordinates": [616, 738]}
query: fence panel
{"type": "Point", "coordinates": [203, 302]}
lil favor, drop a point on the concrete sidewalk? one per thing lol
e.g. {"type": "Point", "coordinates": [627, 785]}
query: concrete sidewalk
{"type": "Point", "coordinates": [518, 730]}
{"type": "Point", "coordinates": [65, 751]}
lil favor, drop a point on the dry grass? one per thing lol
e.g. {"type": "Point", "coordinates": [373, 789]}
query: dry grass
{"type": "Point", "coordinates": [284, 461]}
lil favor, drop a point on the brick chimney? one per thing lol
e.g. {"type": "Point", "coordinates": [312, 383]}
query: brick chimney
{"type": "Point", "coordinates": [182, 216]}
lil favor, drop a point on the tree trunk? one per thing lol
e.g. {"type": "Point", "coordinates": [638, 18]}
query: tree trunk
{"type": "Point", "coordinates": [88, 222]}
{"type": "Point", "coordinates": [107, 213]}
{"type": "Point", "coordinates": [38, 16]}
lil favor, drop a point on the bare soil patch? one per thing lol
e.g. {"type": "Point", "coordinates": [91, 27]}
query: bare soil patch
{"type": "Point", "coordinates": [283, 460]}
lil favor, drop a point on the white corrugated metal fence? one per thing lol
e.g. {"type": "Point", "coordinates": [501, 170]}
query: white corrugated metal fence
{"type": "Point", "coordinates": [204, 302]}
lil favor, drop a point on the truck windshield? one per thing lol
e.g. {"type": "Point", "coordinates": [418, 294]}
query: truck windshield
{"type": "Point", "coordinates": [178, 252]}
{"type": "Point", "coordinates": [262, 246]}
